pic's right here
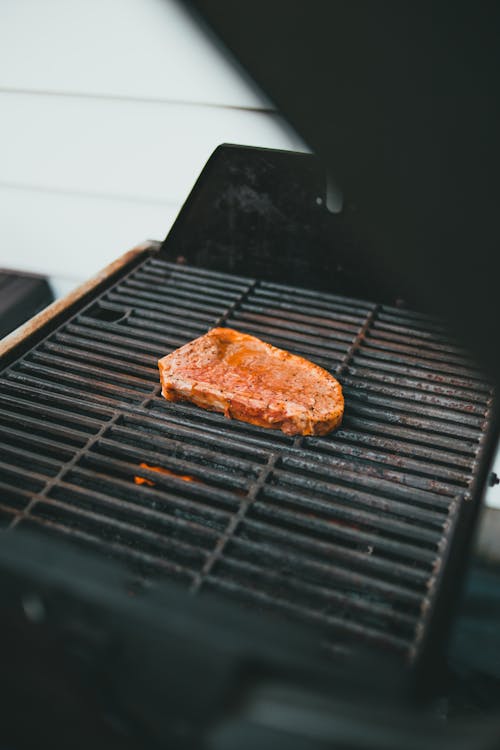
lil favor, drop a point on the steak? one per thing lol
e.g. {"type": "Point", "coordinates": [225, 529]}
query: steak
{"type": "Point", "coordinates": [245, 378]}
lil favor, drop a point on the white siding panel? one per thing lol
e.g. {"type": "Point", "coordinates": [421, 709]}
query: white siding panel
{"type": "Point", "coordinates": [150, 151]}
{"type": "Point", "coordinates": [73, 236]}
{"type": "Point", "coordinates": [130, 48]}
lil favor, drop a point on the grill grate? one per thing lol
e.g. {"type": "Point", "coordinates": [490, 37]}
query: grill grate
{"type": "Point", "coordinates": [345, 532]}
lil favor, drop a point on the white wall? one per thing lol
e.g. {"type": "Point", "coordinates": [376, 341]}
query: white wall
{"type": "Point", "coordinates": [108, 111]}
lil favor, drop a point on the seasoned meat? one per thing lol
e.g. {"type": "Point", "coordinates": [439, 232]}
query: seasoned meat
{"type": "Point", "coordinates": [247, 379]}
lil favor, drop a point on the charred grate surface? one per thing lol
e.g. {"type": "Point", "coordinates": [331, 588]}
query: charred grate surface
{"type": "Point", "coordinates": [345, 532]}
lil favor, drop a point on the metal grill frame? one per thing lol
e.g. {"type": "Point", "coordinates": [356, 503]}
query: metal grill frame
{"type": "Point", "coordinates": [275, 201]}
{"type": "Point", "coordinates": [432, 620]}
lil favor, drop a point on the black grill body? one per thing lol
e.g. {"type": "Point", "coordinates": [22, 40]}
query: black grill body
{"type": "Point", "coordinates": [360, 535]}
{"type": "Point", "coordinates": [22, 295]}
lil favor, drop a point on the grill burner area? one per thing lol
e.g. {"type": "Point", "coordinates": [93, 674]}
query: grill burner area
{"type": "Point", "coordinates": [347, 533]}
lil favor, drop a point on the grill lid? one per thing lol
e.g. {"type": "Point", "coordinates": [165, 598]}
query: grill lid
{"type": "Point", "coordinates": [401, 101]}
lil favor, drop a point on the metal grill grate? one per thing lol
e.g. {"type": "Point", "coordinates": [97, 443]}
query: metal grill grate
{"type": "Point", "coordinates": [345, 532]}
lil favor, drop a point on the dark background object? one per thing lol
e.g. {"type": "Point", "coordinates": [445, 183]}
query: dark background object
{"type": "Point", "coordinates": [22, 295]}
{"type": "Point", "coordinates": [401, 102]}
{"type": "Point", "coordinates": [87, 664]}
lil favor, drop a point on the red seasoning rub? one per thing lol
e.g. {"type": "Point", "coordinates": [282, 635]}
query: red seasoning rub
{"type": "Point", "coordinates": [247, 379]}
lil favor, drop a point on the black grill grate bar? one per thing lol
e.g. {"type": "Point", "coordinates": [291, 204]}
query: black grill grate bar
{"type": "Point", "coordinates": [28, 401]}
{"type": "Point", "coordinates": [201, 273]}
{"type": "Point", "coordinates": [279, 309]}
{"type": "Point", "coordinates": [234, 523]}
{"type": "Point", "coordinates": [302, 520]}
{"type": "Point", "coordinates": [318, 343]}
{"type": "Point", "coordinates": [8, 488]}
{"type": "Point", "coordinates": [382, 367]}
{"type": "Point", "coordinates": [196, 499]}
{"type": "Point", "coordinates": [167, 271]}
{"type": "Point", "coordinates": [99, 373]}
{"type": "Point", "coordinates": [218, 293]}
{"type": "Point", "coordinates": [123, 337]}
{"type": "Point", "coordinates": [13, 498]}
{"type": "Point", "coordinates": [303, 570]}
{"type": "Point", "coordinates": [327, 335]}
{"type": "Point", "coordinates": [364, 440]}
{"type": "Point", "coordinates": [415, 363]}
{"type": "Point", "coordinates": [29, 459]}
{"type": "Point", "coordinates": [372, 422]}
{"type": "Point", "coordinates": [186, 468]}
{"type": "Point", "coordinates": [63, 468]}
{"type": "Point", "coordinates": [259, 536]}
{"type": "Point", "coordinates": [22, 478]}
{"type": "Point", "coordinates": [40, 444]}
{"type": "Point", "coordinates": [180, 297]}
{"type": "Point", "coordinates": [298, 564]}
{"type": "Point", "coordinates": [144, 561]}
{"type": "Point", "coordinates": [290, 304]}
{"type": "Point", "coordinates": [178, 436]}
{"type": "Point", "coordinates": [47, 377]}
{"type": "Point", "coordinates": [445, 416]}
{"type": "Point", "coordinates": [187, 304]}
{"type": "Point", "coordinates": [137, 448]}
{"type": "Point", "coordinates": [113, 314]}
{"type": "Point", "coordinates": [378, 476]}
{"type": "Point", "coordinates": [408, 332]}
{"type": "Point", "coordinates": [424, 354]}
{"type": "Point", "coordinates": [145, 326]}
{"type": "Point", "coordinates": [146, 340]}
{"type": "Point", "coordinates": [91, 342]}
{"type": "Point", "coordinates": [366, 454]}
{"type": "Point", "coordinates": [462, 396]}
{"type": "Point", "coordinates": [321, 596]}
{"type": "Point", "coordinates": [41, 428]}
{"type": "Point", "coordinates": [417, 340]}
{"type": "Point", "coordinates": [86, 353]}
{"type": "Point", "coordinates": [6, 516]}
{"type": "Point", "coordinates": [111, 528]}
{"type": "Point", "coordinates": [329, 324]}
{"type": "Point", "coordinates": [226, 440]}
{"type": "Point", "coordinates": [159, 342]}
{"type": "Point", "coordinates": [325, 621]}
{"type": "Point", "coordinates": [434, 430]}
{"type": "Point", "coordinates": [333, 511]}
{"type": "Point", "coordinates": [412, 319]}
{"type": "Point", "coordinates": [299, 293]}
{"type": "Point", "coordinates": [159, 310]}
{"type": "Point", "coordinates": [148, 519]}
{"type": "Point", "coordinates": [383, 482]}
{"type": "Point", "coordinates": [344, 505]}
{"type": "Point", "coordinates": [92, 380]}
{"type": "Point", "coordinates": [411, 396]}
{"type": "Point", "coordinates": [189, 449]}
{"type": "Point", "coordinates": [173, 317]}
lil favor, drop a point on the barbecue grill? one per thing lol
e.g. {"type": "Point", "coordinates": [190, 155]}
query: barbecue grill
{"type": "Point", "coordinates": [359, 536]}
{"type": "Point", "coordinates": [237, 587]}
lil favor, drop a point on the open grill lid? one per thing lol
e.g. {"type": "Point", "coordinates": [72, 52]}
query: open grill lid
{"type": "Point", "coordinates": [401, 103]}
